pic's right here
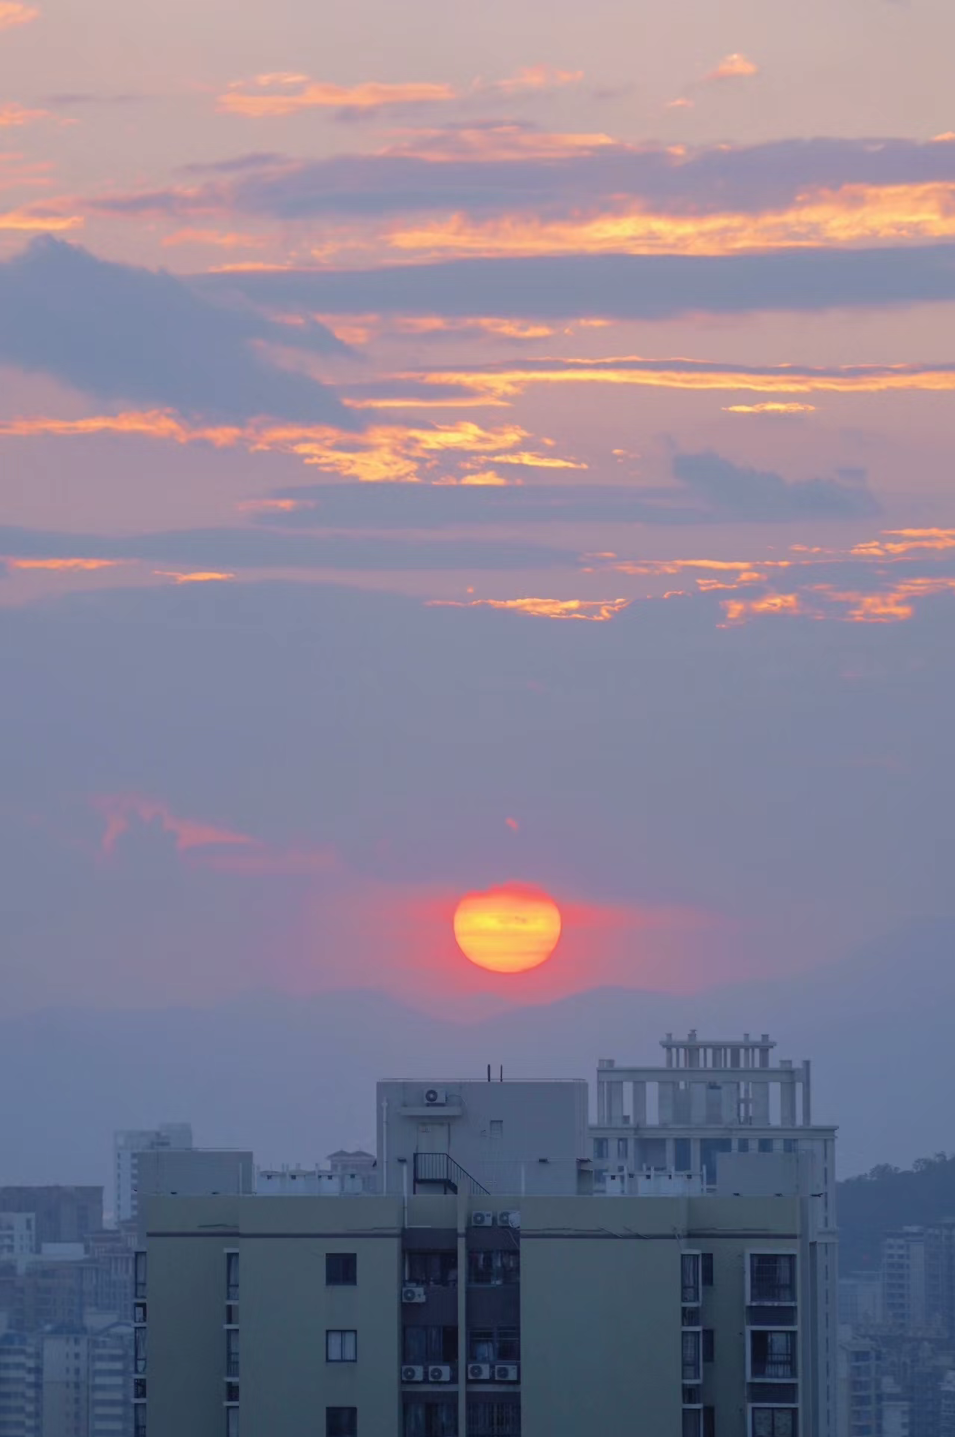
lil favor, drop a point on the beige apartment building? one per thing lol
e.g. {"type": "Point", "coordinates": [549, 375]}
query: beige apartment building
{"type": "Point", "coordinates": [472, 1315]}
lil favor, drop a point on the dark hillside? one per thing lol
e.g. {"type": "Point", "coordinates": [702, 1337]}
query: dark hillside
{"type": "Point", "coordinates": [888, 1198]}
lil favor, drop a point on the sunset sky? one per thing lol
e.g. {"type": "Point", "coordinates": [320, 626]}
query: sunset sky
{"type": "Point", "coordinates": [450, 446]}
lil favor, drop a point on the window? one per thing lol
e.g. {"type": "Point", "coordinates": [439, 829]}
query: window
{"type": "Point", "coordinates": [494, 1418]}
{"type": "Point", "coordinates": [489, 1344]}
{"type": "Point", "coordinates": [690, 1278]}
{"type": "Point", "coordinates": [341, 1269]}
{"type": "Point", "coordinates": [139, 1364]}
{"type": "Point", "coordinates": [682, 1158]}
{"type": "Point", "coordinates": [232, 1422]}
{"type": "Point", "coordinates": [709, 1422]}
{"type": "Point", "coordinates": [742, 1145]}
{"type": "Point", "coordinates": [341, 1345]}
{"type": "Point", "coordinates": [232, 1277]}
{"type": "Point", "coordinates": [706, 1264]}
{"type": "Point", "coordinates": [140, 1275]}
{"type": "Point", "coordinates": [139, 1420]}
{"type": "Point", "coordinates": [774, 1421]}
{"type": "Point", "coordinates": [623, 1147]}
{"type": "Point", "coordinates": [601, 1148]}
{"type": "Point", "coordinates": [765, 1145]}
{"type": "Point", "coordinates": [772, 1277]}
{"type": "Point", "coordinates": [437, 1269]}
{"type": "Point", "coordinates": [424, 1345]}
{"type": "Point", "coordinates": [341, 1422]}
{"type": "Point", "coordinates": [692, 1421]}
{"type": "Point", "coordinates": [497, 1128]}
{"type": "Point", "coordinates": [431, 1419]}
{"type": "Point", "coordinates": [691, 1357]}
{"type": "Point", "coordinates": [709, 1344]}
{"type": "Point", "coordinates": [492, 1268]}
{"type": "Point", "coordinates": [231, 1352]}
{"type": "Point", "coordinates": [790, 1145]}
{"type": "Point", "coordinates": [773, 1355]}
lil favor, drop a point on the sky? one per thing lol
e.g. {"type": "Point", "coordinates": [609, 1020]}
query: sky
{"type": "Point", "coordinates": [444, 447]}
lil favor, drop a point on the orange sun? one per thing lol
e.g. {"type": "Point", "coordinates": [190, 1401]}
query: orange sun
{"type": "Point", "coordinates": [507, 929]}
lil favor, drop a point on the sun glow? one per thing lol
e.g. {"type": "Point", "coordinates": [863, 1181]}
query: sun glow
{"type": "Point", "coordinates": [508, 929]}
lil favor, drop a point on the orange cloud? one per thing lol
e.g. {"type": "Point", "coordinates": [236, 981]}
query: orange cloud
{"type": "Point", "coordinates": [313, 94]}
{"type": "Point", "coordinates": [769, 408]}
{"type": "Point", "coordinates": [732, 67]}
{"type": "Point", "coordinates": [200, 576]}
{"type": "Point", "coordinates": [14, 116]}
{"type": "Point", "coordinates": [23, 222]}
{"type": "Point", "coordinates": [66, 565]}
{"type": "Point", "coordinates": [380, 454]}
{"type": "Point", "coordinates": [595, 610]}
{"type": "Point", "coordinates": [905, 541]}
{"type": "Point", "coordinates": [507, 380]}
{"type": "Point", "coordinates": [12, 13]}
{"type": "Point", "coordinates": [738, 609]}
{"type": "Point", "coordinates": [851, 215]}
{"type": "Point", "coordinates": [289, 94]}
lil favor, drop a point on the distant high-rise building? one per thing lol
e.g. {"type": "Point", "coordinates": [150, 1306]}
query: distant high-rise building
{"type": "Point", "coordinates": [860, 1299]}
{"type": "Point", "coordinates": [110, 1382]}
{"type": "Point", "coordinates": [907, 1260]}
{"type": "Point", "coordinates": [17, 1237]}
{"type": "Point", "coordinates": [20, 1368]}
{"type": "Point", "coordinates": [65, 1378]}
{"type": "Point", "coordinates": [860, 1387]}
{"type": "Point", "coordinates": [127, 1147]}
{"type": "Point", "coordinates": [61, 1214]}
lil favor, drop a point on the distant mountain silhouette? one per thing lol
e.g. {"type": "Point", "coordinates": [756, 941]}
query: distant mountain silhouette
{"type": "Point", "coordinates": [294, 1077]}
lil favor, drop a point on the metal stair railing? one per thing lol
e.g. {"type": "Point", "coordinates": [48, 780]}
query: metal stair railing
{"type": "Point", "coordinates": [441, 1168]}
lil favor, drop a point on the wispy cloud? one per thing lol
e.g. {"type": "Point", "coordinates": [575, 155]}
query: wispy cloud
{"type": "Point", "coordinates": [592, 610]}
{"type": "Point", "coordinates": [278, 95]}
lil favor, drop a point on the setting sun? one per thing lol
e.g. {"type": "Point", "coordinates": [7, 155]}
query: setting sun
{"type": "Point", "coordinates": [508, 929]}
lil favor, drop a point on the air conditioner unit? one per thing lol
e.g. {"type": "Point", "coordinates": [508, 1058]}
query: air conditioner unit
{"type": "Point", "coordinates": [439, 1374]}
{"type": "Point", "coordinates": [507, 1372]}
{"type": "Point", "coordinates": [510, 1218]}
{"type": "Point", "coordinates": [479, 1372]}
{"type": "Point", "coordinates": [436, 1097]}
{"type": "Point", "coordinates": [482, 1219]}
{"type": "Point", "coordinates": [412, 1293]}
{"type": "Point", "coordinates": [412, 1374]}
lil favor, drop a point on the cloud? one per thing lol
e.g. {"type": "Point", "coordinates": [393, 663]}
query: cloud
{"type": "Point", "coordinates": [508, 166]}
{"type": "Point", "coordinates": [204, 556]}
{"type": "Point", "coordinates": [505, 379]}
{"type": "Point", "coordinates": [614, 286]}
{"type": "Point", "coordinates": [280, 95]}
{"type": "Point", "coordinates": [14, 116]}
{"type": "Point", "coordinates": [120, 333]}
{"type": "Point", "coordinates": [13, 13]}
{"type": "Point", "coordinates": [752, 494]}
{"type": "Point", "coordinates": [732, 67]}
{"type": "Point", "coordinates": [593, 610]}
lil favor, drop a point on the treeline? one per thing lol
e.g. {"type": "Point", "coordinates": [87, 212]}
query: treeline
{"type": "Point", "coordinates": [888, 1198]}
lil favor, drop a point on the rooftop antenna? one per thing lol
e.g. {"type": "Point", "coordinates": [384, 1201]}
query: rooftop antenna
{"type": "Point", "coordinates": [501, 1079]}
{"type": "Point", "coordinates": [489, 1072]}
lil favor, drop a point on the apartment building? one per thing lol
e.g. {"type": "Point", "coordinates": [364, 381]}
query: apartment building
{"type": "Point", "coordinates": [726, 1115]}
{"type": "Point", "coordinates": [432, 1316]}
